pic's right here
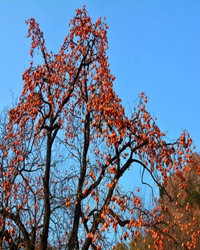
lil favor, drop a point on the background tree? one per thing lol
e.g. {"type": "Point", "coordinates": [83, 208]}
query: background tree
{"type": "Point", "coordinates": [67, 145]}
{"type": "Point", "coordinates": [179, 221]}
{"type": "Point", "coordinates": [121, 246]}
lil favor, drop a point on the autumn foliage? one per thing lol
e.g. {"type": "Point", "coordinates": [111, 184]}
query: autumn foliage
{"type": "Point", "coordinates": [67, 144]}
{"type": "Point", "coordinates": [177, 220]}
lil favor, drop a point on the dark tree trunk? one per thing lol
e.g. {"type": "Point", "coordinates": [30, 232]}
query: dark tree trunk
{"type": "Point", "coordinates": [44, 237]}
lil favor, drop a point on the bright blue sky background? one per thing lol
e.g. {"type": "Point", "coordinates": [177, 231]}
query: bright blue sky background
{"type": "Point", "coordinates": [154, 47]}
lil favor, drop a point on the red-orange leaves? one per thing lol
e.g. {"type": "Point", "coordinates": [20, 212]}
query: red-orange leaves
{"type": "Point", "coordinates": [68, 202]}
{"type": "Point", "coordinates": [113, 170]}
{"type": "Point", "coordinates": [137, 201]}
{"type": "Point", "coordinates": [92, 175]}
{"type": "Point", "coordinates": [87, 208]}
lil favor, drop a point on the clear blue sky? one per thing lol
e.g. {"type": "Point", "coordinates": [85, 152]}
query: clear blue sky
{"type": "Point", "coordinates": [154, 46]}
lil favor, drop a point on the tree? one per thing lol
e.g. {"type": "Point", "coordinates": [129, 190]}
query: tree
{"type": "Point", "coordinates": [121, 246]}
{"type": "Point", "coordinates": [179, 222]}
{"type": "Point", "coordinates": [68, 143]}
